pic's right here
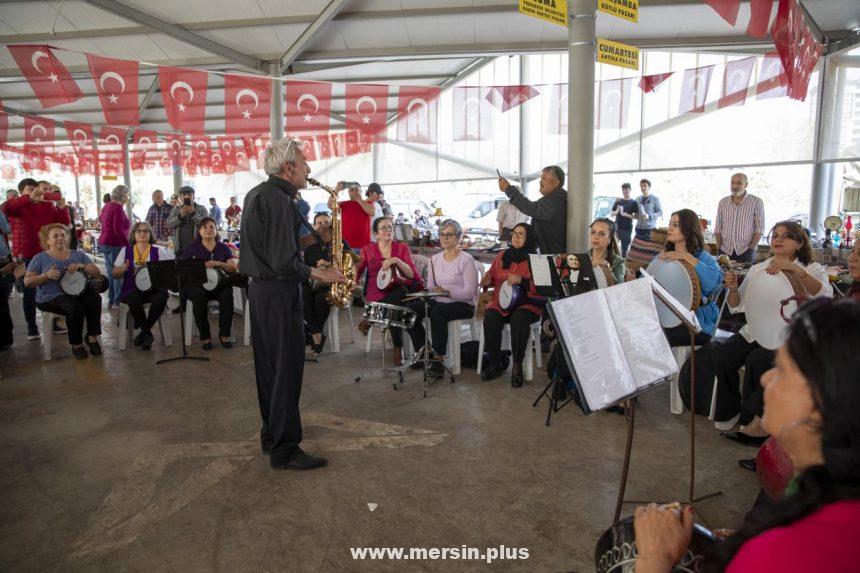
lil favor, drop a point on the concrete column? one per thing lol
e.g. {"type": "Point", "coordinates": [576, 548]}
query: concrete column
{"type": "Point", "coordinates": [276, 117]}
{"type": "Point", "coordinates": [377, 162]}
{"type": "Point", "coordinates": [828, 124]}
{"type": "Point", "coordinates": [524, 126]}
{"type": "Point", "coordinates": [580, 113]}
{"type": "Point", "coordinates": [126, 177]}
{"type": "Point", "coordinates": [77, 190]}
{"type": "Point", "coordinates": [821, 198]}
{"type": "Point", "coordinates": [97, 177]}
{"type": "Point", "coordinates": [177, 178]}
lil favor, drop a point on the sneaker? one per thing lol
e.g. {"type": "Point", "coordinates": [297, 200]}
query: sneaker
{"type": "Point", "coordinates": [33, 333]}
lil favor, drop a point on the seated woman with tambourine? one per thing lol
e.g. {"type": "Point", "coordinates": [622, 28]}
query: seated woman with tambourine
{"type": "Point", "coordinates": [68, 283]}
{"type": "Point", "coordinates": [515, 302]}
{"type": "Point", "coordinates": [391, 275]}
{"type": "Point", "coordinates": [137, 289]}
{"type": "Point", "coordinates": [220, 264]}
{"type": "Point", "coordinates": [686, 244]}
{"type": "Point", "coordinates": [605, 256]}
{"type": "Point", "coordinates": [788, 273]}
{"type": "Point", "coordinates": [810, 408]}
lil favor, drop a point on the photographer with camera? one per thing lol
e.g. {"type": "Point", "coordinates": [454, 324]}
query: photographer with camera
{"type": "Point", "coordinates": [184, 219]}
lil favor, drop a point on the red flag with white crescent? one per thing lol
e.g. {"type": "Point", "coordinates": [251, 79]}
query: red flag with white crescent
{"type": "Point", "coordinates": [323, 145]}
{"type": "Point", "coordinates": [308, 147]}
{"type": "Point", "coordinates": [183, 92]}
{"type": "Point", "coordinates": [117, 86]}
{"type": "Point", "coordinates": [111, 143]}
{"type": "Point", "coordinates": [416, 114]}
{"type": "Point", "coordinates": [175, 148]}
{"type": "Point", "coordinates": [736, 81]}
{"type": "Point", "coordinates": [506, 98]}
{"type": "Point", "coordinates": [308, 106]}
{"type": "Point", "coordinates": [38, 140]}
{"type": "Point", "coordinates": [201, 149]}
{"type": "Point", "coordinates": [47, 76]}
{"type": "Point", "coordinates": [246, 104]}
{"type": "Point", "coordinates": [367, 109]}
{"type": "Point", "coordinates": [227, 148]}
{"type": "Point", "coordinates": [694, 90]}
{"type": "Point", "coordinates": [144, 144]}
{"type": "Point", "coordinates": [81, 136]}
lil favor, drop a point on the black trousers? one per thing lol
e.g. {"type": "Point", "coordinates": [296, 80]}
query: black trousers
{"type": "Point", "coordinates": [77, 309]}
{"type": "Point", "coordinates": [396, 297]}
{"type": "Point", "coordinates": [135, 300]}
{"type": "Point", "coordinates": [441, 313]}
{"type": "Point", "coordinates": [520, 320]}
{"type": "Point", "coordinates": [747, 256]}
{"type": "Point", "coordinates": [199, 298]}
{"type": "Point", "coordinates": [29, 302]}
{"type": "Point", "coordinates": [279, 362]}
{"type": "Point", "coordinates": [732, 398]}
{"type": "Point", "coordinates": [316, 308]}
{"type": "Point", "coordinates": [624, 237]}
{"type": "Point", "coordinates": [7, 283]}
{"type": "Point", "coordinates": [680, 336]}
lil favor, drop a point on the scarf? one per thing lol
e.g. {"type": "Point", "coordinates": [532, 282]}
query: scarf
{"type": "Point", "coordinates": [513, 255]}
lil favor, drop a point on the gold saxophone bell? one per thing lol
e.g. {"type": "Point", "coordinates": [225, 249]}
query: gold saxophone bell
{"type": "Point", "coordinates": [340, 293]}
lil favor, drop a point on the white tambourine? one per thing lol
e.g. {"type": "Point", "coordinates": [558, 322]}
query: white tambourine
{"type": "Point", "coordinates": [510, 296]}
{"type": "Point", "coordinates": [73, 284]}
{"type": "Point", "coordinates": [682, 282]}
{"type": "Point", "coordinates": [214, 278]}
{"type": "Point", "coordinates": [142, 280]}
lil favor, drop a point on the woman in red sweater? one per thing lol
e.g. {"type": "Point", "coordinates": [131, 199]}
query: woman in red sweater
{"type": "Point", "coordinates": [113, 238]}
{"type": "Point", "coordinates": [811, 400]}
{"type": "Point", "coordinates": [511, 266]}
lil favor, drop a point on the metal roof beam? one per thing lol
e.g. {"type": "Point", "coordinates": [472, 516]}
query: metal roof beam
{"type": "Point", "coordinates": [310, 33]}
{"type": "Point", "coordinates": [178, 32]}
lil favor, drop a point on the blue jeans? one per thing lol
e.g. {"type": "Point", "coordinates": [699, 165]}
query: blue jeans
{"type": "Point", "coordinates": [114, 285]}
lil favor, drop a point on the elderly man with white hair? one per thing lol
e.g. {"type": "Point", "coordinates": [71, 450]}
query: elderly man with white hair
{"type": "Point", "coordinates": [740, 222]}
{"type": "Point", "coordinates": [270, 256]}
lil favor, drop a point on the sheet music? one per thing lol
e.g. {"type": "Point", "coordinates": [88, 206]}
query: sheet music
{"type": "Point", "coordinates": [672, 302]}
{"type": "Point", "coordinates": [586, 327]}
{"type": "Point", "coordinates": [645, 346]}
{"type": "Point", "coordinates": [541, 275]}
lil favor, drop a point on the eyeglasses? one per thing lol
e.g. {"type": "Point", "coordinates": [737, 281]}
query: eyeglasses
{"type": "Point", "coordinates": [386, 229]}
{"type": "Point", "coordinates": [447, 235]}
{"type": "Point", "coordinates": [518, 234]}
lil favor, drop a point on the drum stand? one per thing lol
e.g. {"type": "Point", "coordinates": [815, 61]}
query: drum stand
{"type": "Point", "coordinates": [383, 372]}
{"type": "Point", "coordinates": [423, 354]}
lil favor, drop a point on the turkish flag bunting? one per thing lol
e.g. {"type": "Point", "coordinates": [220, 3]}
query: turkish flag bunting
{"type": "Point", "coordinates": [473, 119]}
{"type": "Point", "coordinates": [246, 104]}
{"type": "Point", "coordinates": [308, 148]}
{"type": "Point", "coordinates": [4, 128]}
{"type": "Point", "coordinates": [48, 77]}
{"type": "Point", "coordinates": [366, 109]}
{"type": "Point", "coordinates": [175, 148]}
{"type": "Point", "coordinates": [38, 134]}
{"type": "Point", "coordinates": [557, 119]}
{"type": "Point", "coordinates": [416, 114]}
{"type": "Point", "coordinates": [201, 148]}
{"type": "Point", "coordinates": [694, 90]}
{"type": "Point", "coordinates": [183, 92]}
{"type": "Point", "coordinates": [727, 9]}
{"type": "Point", "coordinates": [64, 158]}
{"type": "Point", "coordinates": [116, 84]}
{"type": "Point", "coordinates": [807, 57]}
{"type": "Point", "coordinates": [243, 163]}
{"type": "Point", "coordinates": [509, 97]}
{"type": "Point", "coordinates": [216, 161]}
{"type": "Point", "coordinates": [164, 162]}
{"type": "Point", "coordinates": [786, 32]}
{"type": "Point", "coordinates": [653, 82]}
{"type": "Point", "coordinates": [227, 149]}
{"type": "Point", "coordinates": [145, 143]}
{"type": "Point", "coordinates": [338, 145]}
{"type": "Point", "coordinates": [760, 11]}
{"type": "Point", "coordinates": [308, 106]}
{"type": "Point", "coordinates": [81, 136]}
{"type": "Point", "coordinates": [353, 143]}
{"type": "Point", "coordinates": [736, 81]}
{"type": "Point", "coordinates": [772, 79]}
{"type": "Point", "coordinates": [324, 146]}
{"type": "Point", "coordinates": [614, 103]}
{"type": "Point", "coordinates": [111, 142]}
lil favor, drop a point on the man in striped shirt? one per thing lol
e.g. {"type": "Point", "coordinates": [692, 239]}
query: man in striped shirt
{"type": "Point", "coordinates": [740, 222]}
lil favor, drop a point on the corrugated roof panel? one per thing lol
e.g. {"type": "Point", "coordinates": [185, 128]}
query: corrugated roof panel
{"type": "Point", "coordinates": [84, 16]}
{"type": "Point", "coordinates": [32, 17]}
{"type": "Point", "coordinates": [168, 10]}
{"type": "Point", "coordinates": [204, 10]}
{"type": "Point", "coordinates": [273, 8]}
{"type": "Point", "coordinates": [440, 30]}
{"type": "Point", "coordinates": [361, 34]}
{"type": "Point", "coordinates": [256, 40]}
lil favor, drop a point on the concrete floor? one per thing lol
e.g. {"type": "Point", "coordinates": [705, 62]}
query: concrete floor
{"type": "Point", "coordinates": [118, 464]}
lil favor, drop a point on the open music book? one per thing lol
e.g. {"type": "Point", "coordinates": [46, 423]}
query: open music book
{"type": "Point", "coordinates": [613, 342]}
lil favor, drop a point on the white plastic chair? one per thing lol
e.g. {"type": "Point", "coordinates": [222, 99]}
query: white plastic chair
{"type": "Point", "coordinates": [47, 333]}
{"type": "Point", "coordinates": [455, 328]}
{"type": "Point", "coordinates": [189, 322]}
{"type": "Point", "coordinates": [332, 327]}
{"type": "Point", "coordinates": [126, 326]}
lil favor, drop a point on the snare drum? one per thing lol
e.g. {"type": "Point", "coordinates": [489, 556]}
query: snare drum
{"type": "Point", "coordinates": [682, 282]}
{"type": "Point", "coordinates": [73, 284]}
{"type": "Point", "coordinates": [388, 315]}
{"type": "Point", "coordinates": [511, 296]}
{"type": "Point", "coordinates": [214, 279]}
{"type": "Point", "coordinates": [142, 280]}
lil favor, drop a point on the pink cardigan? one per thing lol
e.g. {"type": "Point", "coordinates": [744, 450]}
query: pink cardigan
{"type": "Point", "coordinates": [371, 260]}
{"type": "Point", "coordinates": [822, 542]}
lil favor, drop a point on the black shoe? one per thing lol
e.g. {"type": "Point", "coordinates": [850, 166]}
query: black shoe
{"type": "Point", "coordinates": [95, 348]}
{"type": "Point", "coordinates": [747, 464]}
{"type": "Point", "coordinates": [33, 333]}
{"type": "Point", "coordinates": [146, 343]}
{"type": "Point", "coordinates": [436, 370]}
{"type": "Point", "coordinates": [138, 340]}
{"type": "Point", "coordinates": [417, 365]}
{"type": "Point", "coordinates": [226, 343]}
{"type": "Point", "coordinates": [491, 373]}
{"type": "Point", "coordinates": [742, 438]}
{"type": "Point", "coordinates": [266, 448]}
{"type": "Point", "coordinates": [207, 345]}
{"type": "Point", "coordinates": [300, 461]}
{"type": "Point", "coordinates": [318, 348]}
{"type": "Point", "coordinates": [80, 353]}
{"type": "Point", "coordinates": [517, 376]}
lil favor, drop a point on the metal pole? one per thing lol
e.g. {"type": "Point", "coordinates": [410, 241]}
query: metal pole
{"type": "Point", "coordinates": [97, 175]}
{"type": "Point", "coordinates": [177, 178]}
{"type": "Point", "coordinates": [126, 176]}
{"type": "Point", "coordinates": [77, 190]}
{"type": "Point", "coordinates": [827, 118]}
{"type": "Point", "coordinates": [524, 125]}
{"type": "Point", "coordinates": [580, 113]}
{"type": "Point", "coordinates": [276, 117]}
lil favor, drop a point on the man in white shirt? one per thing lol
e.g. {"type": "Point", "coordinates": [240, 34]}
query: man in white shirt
{"type": "Point", "coordinates": [508, 218]}
{"type": "Point", "coordinates": [374, 198]}
{"type": "Point", "coordinates": [740, 222]}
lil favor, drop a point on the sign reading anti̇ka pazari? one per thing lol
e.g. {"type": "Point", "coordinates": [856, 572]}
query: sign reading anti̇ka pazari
{"type": "Point", "coordinates": [627, 9]}
{"type": "Point", "coordinates": [554, 11]}
{"type": "Point", "coordinates": [617, 54]}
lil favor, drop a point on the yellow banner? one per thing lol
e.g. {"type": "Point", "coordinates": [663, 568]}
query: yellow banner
{"type": "Point", "coordinates": [627, 9]}
{"type": "Point", "coordinates": [617, 54]}
{"type": "Point", "coordinates": [554, 11]}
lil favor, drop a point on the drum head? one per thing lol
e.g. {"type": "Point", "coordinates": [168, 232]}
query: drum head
{"type": "Point", "coordinates": [506, 295]}
{"type": "Point", "coordinates": [212, 279]}
{"type": "Point", "coordinates": [142, 280]}
{"type": "Point", "coordinates": [762, 297]}
{"type": "Point", "coordinates": [73, 283]}
{"type": "Point", "coordinates": [616, 550]}
{"type": "Point", "coordinates": [383, 278]}
{"type": "Point", "coordinates": [673, 277]}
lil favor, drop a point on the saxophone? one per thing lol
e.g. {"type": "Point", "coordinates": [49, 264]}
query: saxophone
{"type": "Point", "coordinates": [340, 293]}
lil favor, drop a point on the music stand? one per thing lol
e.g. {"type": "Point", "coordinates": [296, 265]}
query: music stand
{"type": "Point", "coordinates": [173, 275]}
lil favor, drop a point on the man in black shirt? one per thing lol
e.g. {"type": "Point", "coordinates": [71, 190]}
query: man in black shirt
{"type": "Point", "coordinates": [625, 211]}
{"type": "Point", "coordinates": [270, 255]}
{"type": "Point", "coordinates": [549, 213]}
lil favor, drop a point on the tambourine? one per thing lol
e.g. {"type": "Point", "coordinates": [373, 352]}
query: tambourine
{"type": "Point", "coordinates": [73, 284]}
{"type": "Point", "coordinates": [769, 303]}
{"type": "Point", "coordinates": [214, 279]}
{"type": "Point", "coordinates": [511, 296]}
{"type": "Point", "coordinates": [389, 278]}
{"type": "Point", "coordinates": [142, 280]}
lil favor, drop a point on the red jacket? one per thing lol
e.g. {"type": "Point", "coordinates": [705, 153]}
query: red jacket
{"type": "Point", "coordinates": [27, 219]}
{"type": "Point", "coordinates": [499, 275]}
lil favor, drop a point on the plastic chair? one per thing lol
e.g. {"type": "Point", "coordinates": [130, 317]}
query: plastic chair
{"type": "Point", "coordinates": [332, 327]}
{"type": "Point", "coordinates": [126, 326]}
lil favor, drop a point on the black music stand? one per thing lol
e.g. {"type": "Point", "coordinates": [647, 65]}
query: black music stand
{"type": "Point", "coordinates": [173, 275]}
{"type": "Point", "coordinates": [629, 410]}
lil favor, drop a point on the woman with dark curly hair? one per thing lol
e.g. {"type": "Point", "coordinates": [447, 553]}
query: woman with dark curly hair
{"type": "Point", "coordinates": [811, 400]}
